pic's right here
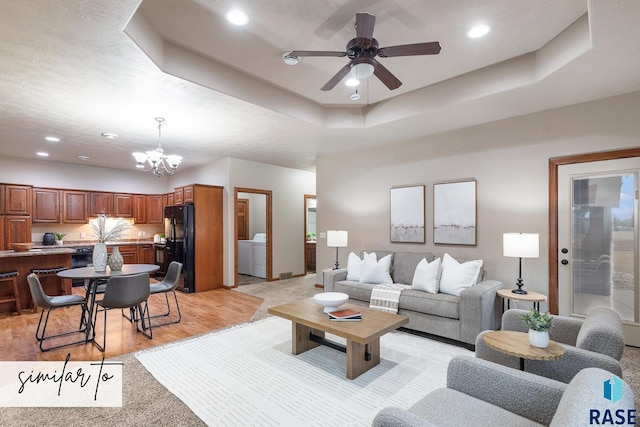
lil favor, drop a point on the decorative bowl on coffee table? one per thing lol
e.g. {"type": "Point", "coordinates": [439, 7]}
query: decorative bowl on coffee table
{"type": "Point", "coordinates": [331, 300]}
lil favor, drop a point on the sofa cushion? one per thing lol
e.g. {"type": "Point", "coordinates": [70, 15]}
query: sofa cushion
{"type": "Point", "coordinates": [404, 265]}
{"type": "Point", "coordinates": [456, 276]}
{"type": "Point", "coordinates": [376, 272]}
{"type": "Point", "coordinates": [425, 277]}
{"type": "Point", "coordinates": [355, 290]}
{"type": "Point", "coordinates": [354, 264]}
{"type": "Point", "coordinates": [440, 304]}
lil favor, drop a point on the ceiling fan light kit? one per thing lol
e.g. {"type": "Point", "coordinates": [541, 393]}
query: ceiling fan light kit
{"type": "Point", "coordinates": [290, 59]}
{"type": "Point", "coordinates": [362, 51]}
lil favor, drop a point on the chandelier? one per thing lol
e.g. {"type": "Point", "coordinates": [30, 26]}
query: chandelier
{"type": "Point", "coordinates": [155, 160]}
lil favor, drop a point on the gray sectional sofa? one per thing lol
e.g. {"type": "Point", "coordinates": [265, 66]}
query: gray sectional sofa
{"type": "Point", "coordinates": [460, 318]}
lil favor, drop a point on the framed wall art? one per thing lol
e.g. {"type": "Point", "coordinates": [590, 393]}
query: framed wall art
{"type": "Point", "coordinates": [407, 214]}
{"type": "Point", "coordinates": [454, 213]}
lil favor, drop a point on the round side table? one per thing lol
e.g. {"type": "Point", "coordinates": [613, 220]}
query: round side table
{"type": "Point", "coordinates": [532, 297]}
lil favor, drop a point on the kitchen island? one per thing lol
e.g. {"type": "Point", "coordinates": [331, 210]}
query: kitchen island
{"type": "Point", "coordinates": [24, 262]}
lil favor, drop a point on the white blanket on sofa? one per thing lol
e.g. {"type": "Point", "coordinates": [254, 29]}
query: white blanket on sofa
{"type": "Point", "coordinates": [387, 297]}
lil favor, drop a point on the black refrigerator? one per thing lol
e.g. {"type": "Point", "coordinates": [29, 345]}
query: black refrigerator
{"type": "Point", "coordinates": [179, 228]}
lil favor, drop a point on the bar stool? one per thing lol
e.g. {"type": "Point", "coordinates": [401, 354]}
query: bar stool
{"type": "Point", "coordinates": [50, 272]}
{"type": "Point", "coordinates": [11, 277]}
{"type": "Point", "coordinates": [43, 273]}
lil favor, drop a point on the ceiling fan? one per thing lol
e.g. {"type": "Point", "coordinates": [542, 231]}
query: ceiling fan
{"type": "Point", "coordinates": [362, 52]}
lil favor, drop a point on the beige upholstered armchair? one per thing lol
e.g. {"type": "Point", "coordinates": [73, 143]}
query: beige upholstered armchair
{"type": "Point", "coordinates": [594, 342]}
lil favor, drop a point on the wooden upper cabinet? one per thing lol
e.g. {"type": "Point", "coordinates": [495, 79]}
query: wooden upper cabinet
{"type": "Point", "coordinates": [74, 207]}
{"type": "Point", "coordinates": [187, 193]}
{"type": "Point", "coordinates": [100, 203]}
{"type": "Point", "coordinates": [17, 200]}
{"type": "Point", "coordinates": [178, 197]}
{"type": "Point", "coordinates": [46, 205]}
{"type": "Point", "coordinates": [123, 205]}
{"type": "Point", "coordinates": [139, 209]}
{"type": "Point", "coordinates": [1, 202]}
{"type": "Point", "coordinates": [170, 201]}
{"type": "Point", "coordinates": [155, 211]}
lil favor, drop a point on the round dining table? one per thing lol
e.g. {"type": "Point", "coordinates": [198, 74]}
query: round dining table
{"type": "Point", "coordinates": [89, 273]}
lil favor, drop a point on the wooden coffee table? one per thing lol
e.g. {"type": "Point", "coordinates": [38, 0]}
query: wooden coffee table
{"type": "Point", "coordinates": [517, 344]}
{"type": "Point", "coordinates": [309, 325]}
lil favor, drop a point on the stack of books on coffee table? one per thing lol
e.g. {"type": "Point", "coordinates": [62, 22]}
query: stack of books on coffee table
{"type": "Point", "coordinates": [345, 315]}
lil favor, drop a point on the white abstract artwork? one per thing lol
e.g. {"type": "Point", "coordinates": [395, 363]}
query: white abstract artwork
{"type": "Point", "coordinates": [454, 213]}
{"type": "Point", "coordinates": [407, 214]}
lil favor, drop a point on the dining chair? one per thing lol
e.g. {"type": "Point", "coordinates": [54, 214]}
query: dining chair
{"type": "Point", "coordinates": [121, 292]}
{"type": "Point", "coordinates": [49, 303]}
{"type": "Point", "coordinates": [168, 284]}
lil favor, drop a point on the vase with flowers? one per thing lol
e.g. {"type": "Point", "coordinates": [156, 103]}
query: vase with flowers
{"type": "Point", "coordinates": [104, 232]}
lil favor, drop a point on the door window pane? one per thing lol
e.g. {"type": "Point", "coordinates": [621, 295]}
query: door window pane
{"type": "Point", "coordinates": [603, 223]}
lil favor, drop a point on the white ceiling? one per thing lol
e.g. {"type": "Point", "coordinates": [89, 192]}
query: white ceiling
{"type": "Point", "coordinates": [77, 68]}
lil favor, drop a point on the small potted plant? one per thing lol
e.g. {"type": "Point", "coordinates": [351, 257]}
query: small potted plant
{"type": "Point", "coordinates": [59, 237]}
{"type": "Point", "coordinates": [539, 325]}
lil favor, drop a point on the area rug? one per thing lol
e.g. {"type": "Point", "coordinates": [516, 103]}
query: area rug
{"type": "Point", "coordinates": [247, 376]}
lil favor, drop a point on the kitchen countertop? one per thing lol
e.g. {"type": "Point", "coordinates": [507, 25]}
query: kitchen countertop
{"type": "Point", "coordinates": [37, 252]}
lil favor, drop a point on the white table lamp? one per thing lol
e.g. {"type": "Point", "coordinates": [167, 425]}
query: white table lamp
{"type": "Point", "coordinates": [521, 245]}
{"type": "Point", "coordinates": [337, 239]}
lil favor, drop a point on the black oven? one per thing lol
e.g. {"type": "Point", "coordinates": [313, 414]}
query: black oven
{"type": "Point", "coordinates": [82, 257]}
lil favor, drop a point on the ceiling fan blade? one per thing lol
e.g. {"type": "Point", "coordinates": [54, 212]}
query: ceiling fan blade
{"type": "Point", "coordinates": [364, 28]}
{"type": "Point", "coordinates": [316, 53]}
{"type": "Point", "coordinates": [385, 76]}
{"type": "Point", "coordinates": [429, 48]}
{"type": "Point", "coordinates": [339, 76]}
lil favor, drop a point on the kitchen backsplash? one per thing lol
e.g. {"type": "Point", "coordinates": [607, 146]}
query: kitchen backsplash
{"type": "Point", "coordinates": [82, 232]}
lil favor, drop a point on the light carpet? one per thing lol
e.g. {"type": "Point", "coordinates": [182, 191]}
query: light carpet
{"type": "Point", "coordinates": [246, 375]}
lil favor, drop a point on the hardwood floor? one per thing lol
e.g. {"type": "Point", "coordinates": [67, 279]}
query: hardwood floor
{"type": "Point", "coordinates": [201, 312]}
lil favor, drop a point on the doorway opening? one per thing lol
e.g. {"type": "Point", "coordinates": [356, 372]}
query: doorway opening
{"type": "Point", "coordinates": [310, 233]}
{"type": "Point", "coordinates": [253, 236]}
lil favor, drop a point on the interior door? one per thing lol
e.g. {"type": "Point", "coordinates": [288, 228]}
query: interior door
{"type": "Point", "coordinates": [242, 219]}
{"type": "Point", "coordinates": [598, 240]}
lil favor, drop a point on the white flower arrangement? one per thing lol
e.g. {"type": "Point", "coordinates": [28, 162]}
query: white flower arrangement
{"type": "Point", "coordinates": [115, 233]}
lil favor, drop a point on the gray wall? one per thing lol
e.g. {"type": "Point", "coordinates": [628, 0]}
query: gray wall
{"type": "Point", "coordinates": [509, 160]}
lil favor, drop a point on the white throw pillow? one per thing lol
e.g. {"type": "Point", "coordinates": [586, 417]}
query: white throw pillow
{"type": "Point", "coordinates": [354, 265]}
{"type": "Point", "coordinates": [455, 276]}
{"type": "Point", "coordinates": [425, 277]}
{"type": "Point", "coordinates": [376, 272]}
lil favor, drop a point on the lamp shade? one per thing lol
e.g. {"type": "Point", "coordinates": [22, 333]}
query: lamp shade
{"type": "Point", "coordinates": [337, 238]}
{"type": "Point", "coordinates": [521, 245]}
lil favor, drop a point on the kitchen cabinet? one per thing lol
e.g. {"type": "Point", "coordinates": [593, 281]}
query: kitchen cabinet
{"type": "Point", "coordinates": [2, 247]}
{"type": "Point", "coordinates": [17, 229]}
{"type": "Point", "coordinates": [146, 254]}
{"type": "Point", "coordinates": [123, 205]}
{"type": "Point", "coordinates": [139, 209]}
{"type": "Point", "coordinates": [100, 203]}
{"type": "Point", "coordinates": [17, 199]}
{"type": "Point", "coordinates": [1, 199]}
{"type": "Point", "coordinates": [187, 194]}
{"type": "Point", "coordinates": [155, 211]}
{"type": "Point", "coordinates": [178, 197]}
{"type": "Point", "coordinates": [165, 200]}
{"type": "Point", "coordinates": [74, 207]}
{"type": "Point", "coordinates": [45, 205]}
{"type": "Point", "coordinates": [170, 201]}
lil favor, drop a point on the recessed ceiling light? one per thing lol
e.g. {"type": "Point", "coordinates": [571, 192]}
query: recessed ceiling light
{"type": "Point", "coordinates": [478, 31]}
{"type": "Point", "coordinates": [352, 82]}
{"type": "Point", "coordinates": [83, 157]}
{"type": "Point", "coordinates": [237, 17]}
{"type": "Point", "coordinates": [52, 139]}
{"type": "Point", "coordinates": [109, 135]}
{"type": "Point", "coordinates": [42, 154]}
